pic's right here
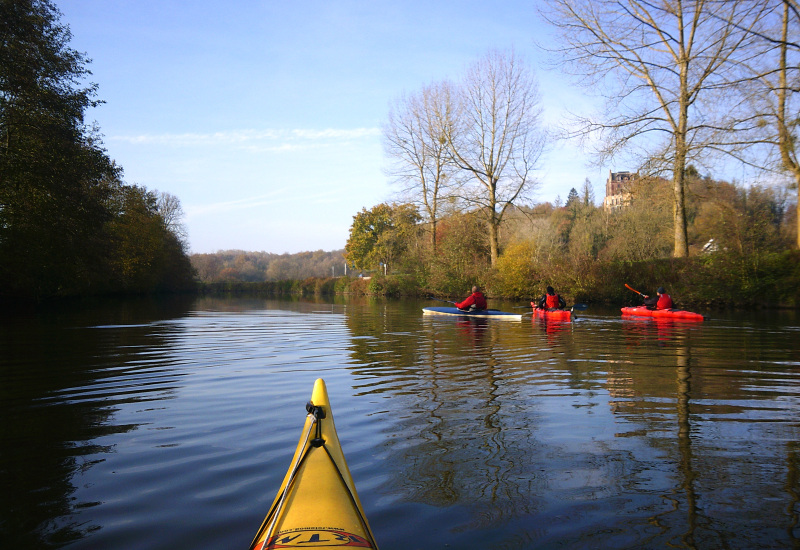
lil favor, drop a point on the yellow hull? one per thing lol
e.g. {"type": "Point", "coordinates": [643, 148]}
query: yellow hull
{"type": "Point", "coordinates": [317, 505]}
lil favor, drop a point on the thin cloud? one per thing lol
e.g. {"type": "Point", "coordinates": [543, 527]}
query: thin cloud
{"type": "Point", "coordinates": [271, 140]}
{"type": "Point", "coordinates": [271, 199]}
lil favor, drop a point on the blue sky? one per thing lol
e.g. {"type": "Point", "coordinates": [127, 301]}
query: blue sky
{"type": "Point", "coordinates": [263, 117]}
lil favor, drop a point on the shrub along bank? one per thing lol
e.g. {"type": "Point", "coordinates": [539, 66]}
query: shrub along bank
{"type": "Point", "coordinates": [716, 280]}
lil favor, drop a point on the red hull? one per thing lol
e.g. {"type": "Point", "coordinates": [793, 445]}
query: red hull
{"type": "Point", "coordinates": [552, 314]}
{"type": "Point", "coordinates": [642, 311]}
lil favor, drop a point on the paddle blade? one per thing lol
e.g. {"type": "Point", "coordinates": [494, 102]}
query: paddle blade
{"type": "Point", "coordinates": [580, 307]}
{"type": "Point", "coordinates": [629, 287]}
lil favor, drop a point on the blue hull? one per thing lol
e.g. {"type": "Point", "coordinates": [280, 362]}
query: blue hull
{"type": "Point", "coordinates": [483, 314]}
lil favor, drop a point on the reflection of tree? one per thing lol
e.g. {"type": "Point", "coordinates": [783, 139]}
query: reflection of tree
{"type": "Point", "coordinates": [464, 433]}
{"type": "Point", "coordinates": [502, 423]}
{"type": "Point", "coordinates": [51, 409]}
{"type": "Point", "coordinates": [793, 489]}
{"type": "Point", "coordinates": [722, 433]}
{"type": "Point", "coordinates": [476, 436]}
{"type": "Point", "coordinates": [684, 377]}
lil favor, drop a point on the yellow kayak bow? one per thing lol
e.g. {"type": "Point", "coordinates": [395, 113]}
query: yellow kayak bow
{"type": "Point", "coordinates": [317, 505]}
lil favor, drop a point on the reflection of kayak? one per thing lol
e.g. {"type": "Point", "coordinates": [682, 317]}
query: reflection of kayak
{"type": "Point", "coordinates": [552, 314]}
{"type": "Point", "coordinates": [642, 311]}
{"type": "Point", "coordinates": [484, 313]}
{"type": "Point", "coordinates": [317, 502]}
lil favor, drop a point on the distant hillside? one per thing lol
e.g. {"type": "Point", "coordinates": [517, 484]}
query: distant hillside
{"type": "Point", "coordinates": [238, 265]}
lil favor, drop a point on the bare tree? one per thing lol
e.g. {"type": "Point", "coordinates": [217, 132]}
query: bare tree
{"type": "Point", "coordinates": [496, 137]}
{"type": "Point", "coordinates": [664, 69]}
{"type": "Point", "coordinates": [171, 212]}
{"type": "Point", "coordinates": [415, 142]}
{"type": "Point", "coordinates": [774, 90]}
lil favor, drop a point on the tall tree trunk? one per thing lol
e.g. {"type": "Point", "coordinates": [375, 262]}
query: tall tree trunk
{"type": "Point", "coordinates": [679, 208]}
{"type": "Point", "coordinates": [679, 167]}
{"type": "Point", "coordinates": [494, 239]}
{"type": "Point", "coordinates": [494, 222]}
{"type": "Point", "coordinates": [786, 141]}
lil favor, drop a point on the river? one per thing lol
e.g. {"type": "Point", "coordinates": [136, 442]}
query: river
{"type": "Point", "coordinates": [170, 424]}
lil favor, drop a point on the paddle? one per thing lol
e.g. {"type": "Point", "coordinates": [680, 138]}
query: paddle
{"type": "Point", "coordinates": [579, 307]}
{"type": "Point", "coordinates": [629, 287]}
{"type": "Point", "coordinates": [449, 302]}
{"type": "Point", "coordinates": [576, 307]}
{"type": "Point", "coordinates": [440, 300]}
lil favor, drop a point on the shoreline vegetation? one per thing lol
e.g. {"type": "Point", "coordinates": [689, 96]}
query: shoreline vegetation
{"type": "Point", "coordinates": [722, 281]}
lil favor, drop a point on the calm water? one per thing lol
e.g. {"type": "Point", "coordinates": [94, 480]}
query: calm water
{"type": "Point", "coordinates": [150, 425]}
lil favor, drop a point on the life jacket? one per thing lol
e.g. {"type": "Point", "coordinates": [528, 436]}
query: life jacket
{"type": "Point", "coordinates": [474, 301]}
{"type": "Point", "coordinates": [552, 301]}
{"type": "Point", "coordinates": [664, 302]}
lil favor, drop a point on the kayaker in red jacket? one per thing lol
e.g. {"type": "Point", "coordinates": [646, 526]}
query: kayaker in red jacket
{"type": "Point", "coordinates": [551, 300]}
{"type": "Point", "coordinates": [475, 301]}
{"type": "Point", "coordinates": [660, 301]}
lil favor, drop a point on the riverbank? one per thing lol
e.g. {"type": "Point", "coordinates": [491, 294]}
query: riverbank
{"type": "Point", "coordinates": [719, 281]}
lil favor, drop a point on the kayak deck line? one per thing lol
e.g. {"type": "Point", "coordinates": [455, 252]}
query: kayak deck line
{"type": "Point", "coordinates": [317, 505]}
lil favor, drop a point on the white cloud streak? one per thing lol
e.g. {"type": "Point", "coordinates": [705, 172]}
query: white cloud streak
{"type": "Point", "coordinates": [270, 199]}
{"type": "Point", "coordinates": [273, 140]}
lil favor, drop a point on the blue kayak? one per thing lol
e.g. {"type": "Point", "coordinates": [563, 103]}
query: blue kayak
{"type": "Point", "coordinates": [484, 313]}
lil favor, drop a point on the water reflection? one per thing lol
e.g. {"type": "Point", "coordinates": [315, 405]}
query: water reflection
{"type": "Point", "coordinates": [458, 417]}
{"type": "Point", "coordinates": [59, 390]}
{"type": "Point", "coordinates": [602, 432]}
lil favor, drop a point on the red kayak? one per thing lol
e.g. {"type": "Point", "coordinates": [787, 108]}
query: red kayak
{"type": "Point", "coordinates": [551, 314]}
{"type": "Point", "coordinates": [642, 311]}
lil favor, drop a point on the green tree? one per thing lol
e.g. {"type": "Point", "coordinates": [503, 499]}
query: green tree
{"type": "Point", "coordinates": [54, 175]}
{"type": "Point", "coordinates": [380, 235]}
{"type": "Point", "coordinates": [144, 254]}
{"type": "Point", "coordinates": [68, 224]}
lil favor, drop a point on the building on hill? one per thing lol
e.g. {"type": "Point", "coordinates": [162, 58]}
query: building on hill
{"type": "Point", "coordinates": [618, 189]}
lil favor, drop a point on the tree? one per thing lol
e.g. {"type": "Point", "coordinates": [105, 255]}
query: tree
{"type": "Point", "coordinates": [774, 91]}
{"type": "Point", "coordinates": [171, 212]}
{"type": "Point", "coordinates": [670, 67]}
{"type": "Point", "coordinates": [587, 193]}
{"type": "Point", "coordinates": [54, 174]}
{"type": "Point", "coordinates": [414, 139]}
{"type": "Point", "coordinates": [379, 235]}
{"type": "Point", "coordinates": [573, 202]}
{"type": "Point", "coordinates": [144, 254]}
{"type": "Point", "coordinates": [496, 137]}
{"type": "Point", "coordinates": [746, 221]}
{"type": "Point", "coordinates": [640, 231]}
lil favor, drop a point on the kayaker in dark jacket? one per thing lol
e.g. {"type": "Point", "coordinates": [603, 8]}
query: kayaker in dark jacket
{"type": "Point", "coordinates": [551, 300]}
{"type": "Point", "coordinates": [660, 301]}
{"type": "Point", "coordinates": [474, 302]}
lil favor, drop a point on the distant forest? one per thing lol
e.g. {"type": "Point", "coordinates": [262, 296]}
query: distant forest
{"type": "Point", "coordinates": [238, 265]}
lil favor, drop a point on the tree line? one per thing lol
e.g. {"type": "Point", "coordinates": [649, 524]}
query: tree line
{"type": "Point", "coordinates": [740, 239]}
{"type": "Point", "coordinates": [256, 267]}
{"type": "Point", "coordinates": [685, 83]}
{"type": "Point", "coordinates": [69, 224]}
